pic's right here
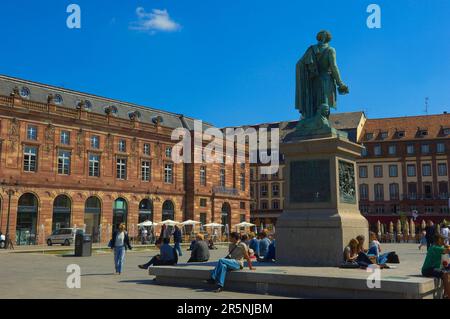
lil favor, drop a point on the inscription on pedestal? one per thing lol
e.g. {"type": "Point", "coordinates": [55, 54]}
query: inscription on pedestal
{"type": "Point", "coordinates": [310, 181]}
{"type": "Point", "coordinates": [347, 191]}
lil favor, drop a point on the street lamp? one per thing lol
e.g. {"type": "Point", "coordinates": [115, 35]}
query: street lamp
{"type": "Point", "coordinates": [10, 192]}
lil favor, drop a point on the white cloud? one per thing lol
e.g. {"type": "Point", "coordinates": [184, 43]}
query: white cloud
{"type": "Point", "coordinates": [157, 20]}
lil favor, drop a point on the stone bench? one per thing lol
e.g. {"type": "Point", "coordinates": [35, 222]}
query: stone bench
{"type": "Point", "coordinates": [303, 282]}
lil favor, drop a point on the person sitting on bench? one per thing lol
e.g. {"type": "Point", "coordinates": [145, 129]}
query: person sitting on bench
{"type": "Point", "coordinates": [167, 255]}
{"type": "Point", "coordinates": [200, 250]}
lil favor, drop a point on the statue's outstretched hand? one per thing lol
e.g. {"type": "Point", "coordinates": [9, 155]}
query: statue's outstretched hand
{"type": "Point", "coordinates": [343, 89]}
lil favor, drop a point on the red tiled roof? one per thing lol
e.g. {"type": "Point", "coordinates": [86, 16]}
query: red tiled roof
{"type": "Point", "coordinates": [410, 125]}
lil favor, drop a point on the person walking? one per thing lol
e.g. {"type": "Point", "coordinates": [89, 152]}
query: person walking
{"type": "Point", "coordinates": [177, 240]}
{"type": "Point", "coordinates": [430, 229]}
{"type": "Point", "coordinates": [120, 242]}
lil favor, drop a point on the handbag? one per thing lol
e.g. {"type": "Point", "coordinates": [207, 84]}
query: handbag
{"type": "Point", "coordinates": [229, 254]}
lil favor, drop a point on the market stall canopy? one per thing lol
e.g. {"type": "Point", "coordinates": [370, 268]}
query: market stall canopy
{"type": "Point", "coordinates": [190, 222]}
{"type": "Point", "coordinates": [145, 224]}
{"type": "Point", "coordinates": [213, 225]}
{"type": "Point", "coordinates": [244, 224]}
{"type": "Point", "coordinates": [169, 222]}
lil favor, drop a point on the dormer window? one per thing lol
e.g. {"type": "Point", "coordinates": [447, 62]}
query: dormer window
{"type": "Point", "coordinates": [25, 92]}
{"type": "Point", "coordinates": [384, 135]}
{"type": "Point", "coordinates": [423, 133]}
{"type": "Point", "coordinates": [446, 131]}
{"type": "Point", "coordinates": [369, 136]}
{"type": "Point", "coordinates": [58, 99]}
{"type": "Point", "coordinates": [400, 134]}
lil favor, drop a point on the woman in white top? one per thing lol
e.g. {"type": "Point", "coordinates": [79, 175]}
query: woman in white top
{"type": "Point", "coordinates": [119, 243]}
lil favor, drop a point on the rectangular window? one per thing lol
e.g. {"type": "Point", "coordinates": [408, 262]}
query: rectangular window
{"type": "Point", "coordinates": [168, 152]}
{"type": "Point", "coordinates": [426, 169]}
{"type": "Point", "coordinates": [378, 171]}
{"type": "Point", "coordinates": [442, 169]}
{"type": "Point", "coordinates": [242, 182]}
{"type": "Point", "coordinates": [275, 190]}
{"type": "Point", "coordinates": [63, 162]}
{"type": "Point", "coordinates": [275, 204]}
{"type": "Point", "coordinates": [122, 146]}
{"type": "Point", "coordinates": [32, 133]}
{"type": "Point", "coordinates": [410, 149]}
{"type": "Point", "coordinates": [121, 168]}
{"type": "Point", "coordinates": [377, 150]}
{"type": "Point", "coordinates": [203, 202]}
{"type": "Point", "coordinates": [363, 171]}
{"type": "Point", "coordinates": [264, 190]}
{"type": "Point", "coordinates": [364, 152]}
{"type": "Point", "coordinates": [379, 192]}
{"type": "Point", "coordinates": [393, 170]}
{"type": "Point", "coordinates": [222, 177]}
{"type": "Point", "coordinates": [203, 175]}
{"type": "Point", "coordinates": [95, 142]}
{"type": "Point", "coordinates": [30, 159]}
{"type": "Point", "coordinates": [264, 205]}
{"type": "Point", "coordinates": [252, 174]}
{"type": "Point", "coordinates": [94, 165]}
{"type": "Point", "coordinates": [203, 218]}
{"type": "Point", "coordinates": [443, 190]}
{"type": "Point", "coordinates": [425, 148]}
{"type": "Point", "coordinates": [411, 170]}
{"type": "Point", "coordinates": [428, 191]}
{"type": "Point", "coordinates": [146, 149]}
{"type": "Point", "coordinates": [392, 149]}
{"type": "Point", "coordinates": [242, 205]}
{"type": "Point", "coordinates": [146, 171]}
{"type": "Point", "coordinates": [65, 138]}
{"type": "Point", "coordinates": [363, 192]}
{"type": "Point", "coordinates": [168, 173]}
{"type": "Point", "coordinates": [440, 148]}
{"type": "Point", "coordinates": [412, 191]}
{"type": "Point", "coordinates": [394, 191]}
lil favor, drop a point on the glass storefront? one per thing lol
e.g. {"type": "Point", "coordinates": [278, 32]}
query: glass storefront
{"type": "Point", "coordinates": [92, 214]}
{"type": "Point", "coordinates": [61, 212]}
{"type": "Point", "coordinates": [26, 225]}
{"type": "Point", "coordinates": [145, 211]}
{"type": "Point", "coordinates": [120, 211]}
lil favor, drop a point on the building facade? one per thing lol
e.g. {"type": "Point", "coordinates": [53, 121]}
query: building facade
{"type": "Point", "coordinates": [404, 168]}
{"type": "Point", "coordinates": [70, 159]}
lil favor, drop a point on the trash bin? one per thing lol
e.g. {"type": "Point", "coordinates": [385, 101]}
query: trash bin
{"type": "Point", "coordinates": [83, 245]}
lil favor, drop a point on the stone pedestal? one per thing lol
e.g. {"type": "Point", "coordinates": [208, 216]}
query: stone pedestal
{"type": "Point", "coordinates": [321, 212]}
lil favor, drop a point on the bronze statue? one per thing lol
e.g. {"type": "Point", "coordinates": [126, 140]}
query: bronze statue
{"type": "Point", "coordinates": [317, 80]}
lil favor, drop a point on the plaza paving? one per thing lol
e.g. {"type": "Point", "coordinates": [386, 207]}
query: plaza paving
{"type": "Point", "coordinates": [37, 275]}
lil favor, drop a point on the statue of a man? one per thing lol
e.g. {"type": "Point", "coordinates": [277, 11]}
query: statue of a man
{"type": "Point", "coordinates": [317, 78]}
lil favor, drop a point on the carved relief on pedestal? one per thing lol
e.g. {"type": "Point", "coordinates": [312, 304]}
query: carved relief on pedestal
{"type": "Point", "coordinates": [347, 188]}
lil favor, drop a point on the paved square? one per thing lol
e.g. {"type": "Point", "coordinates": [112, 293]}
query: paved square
{"type": "Point", "coordinates": [37, 275]}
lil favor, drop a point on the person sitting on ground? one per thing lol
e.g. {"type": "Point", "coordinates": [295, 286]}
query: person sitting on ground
{"type": "Point", "coordinates": [353, 256]}
{"type": "Point", "coordinates": [361, 239]}
{"type": "Point", "coordinates": [167, 255]}
{"type": "Point", "coordinates": [432, 264]}
{"type": "Point", "coordinates": [200, 251]}
{"type": "Point", "coordinates": [263, 245]}
{"type": "Point", "coordinates": [254, 244]}
{"type": "Point", "coordinates": [238, 251]}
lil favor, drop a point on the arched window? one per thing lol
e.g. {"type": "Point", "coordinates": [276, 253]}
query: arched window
{"type": "Point", "coordinates": [145, 210]}
{"type": "Point", "coordinates": [120, 211]}
{"type": "Point", "coordinates": [168, 210]}
{"type": "Point", "coordinates": [92, 214]}
{"type": "Point", "coordinates": [61, 212]}
{"type": "Point", "coordinates": [226, 216]}
{"type": "Point", "coordinates": [26, 224]}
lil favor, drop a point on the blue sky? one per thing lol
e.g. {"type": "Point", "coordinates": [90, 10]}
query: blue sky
{"type": "Point", "coordinates": [232, 62]}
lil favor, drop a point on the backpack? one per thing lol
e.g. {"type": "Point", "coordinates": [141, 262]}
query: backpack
{"type": "Point", "coordinates": [392, 258]}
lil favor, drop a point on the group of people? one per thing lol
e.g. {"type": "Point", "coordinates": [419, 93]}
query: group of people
{"type": "Point", "coordinates": [247, 247]}
{"type": "Point", "coordinates": [356, 256]}
{"type": "Point", "coordinates": [428, 234]}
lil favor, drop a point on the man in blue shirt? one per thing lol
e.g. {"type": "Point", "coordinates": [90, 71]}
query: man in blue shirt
{"type": "Point", "coordinates": [263, 244]}
{"type": "Point", "coordinates": [254, 244]}
{"type": "Point", "coordinates": [167, 255]}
